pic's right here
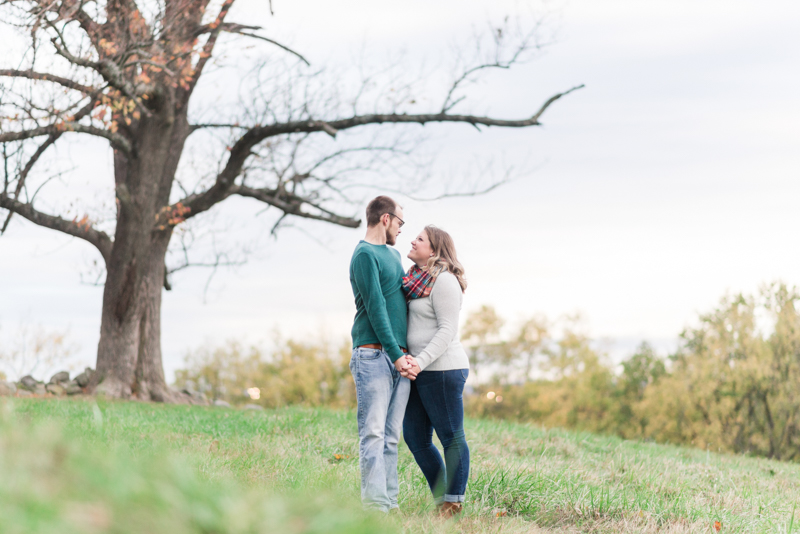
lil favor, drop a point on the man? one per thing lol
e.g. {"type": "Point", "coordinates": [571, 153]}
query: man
{"type": "Point", "coordinates": [379, 341]}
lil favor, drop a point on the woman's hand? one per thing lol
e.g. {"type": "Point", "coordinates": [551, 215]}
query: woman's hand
{"type": "Point", "coordinates": [412, 370]}
{"type": "Point", "coordinates": [402, 365]}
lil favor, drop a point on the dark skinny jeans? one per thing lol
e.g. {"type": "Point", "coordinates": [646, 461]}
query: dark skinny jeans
{"type": "Point", "coordinates": [436, 403]}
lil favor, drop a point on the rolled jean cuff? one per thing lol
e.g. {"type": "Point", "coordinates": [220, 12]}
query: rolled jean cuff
{"type": "Point", "coordinates": [453, 498]}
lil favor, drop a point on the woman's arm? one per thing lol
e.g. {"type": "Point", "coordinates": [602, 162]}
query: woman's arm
{"type": "Point", "coordinates": [446, 300]}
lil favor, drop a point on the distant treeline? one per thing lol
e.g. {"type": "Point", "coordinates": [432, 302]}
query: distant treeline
{"type": "Point", "coordinates": [732, 385]}
{"type": "Point", "coordinates": [311, 374]}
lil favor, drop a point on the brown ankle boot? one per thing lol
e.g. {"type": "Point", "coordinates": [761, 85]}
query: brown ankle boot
{"type": "Point", "coordinates": [450, 509]}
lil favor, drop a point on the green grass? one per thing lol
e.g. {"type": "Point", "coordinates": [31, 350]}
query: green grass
{"type": "Point", "coordinates": [76, 466]}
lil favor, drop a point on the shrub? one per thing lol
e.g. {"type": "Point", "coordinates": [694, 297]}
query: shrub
{"type": "Point", "coordinates": [310, 374]}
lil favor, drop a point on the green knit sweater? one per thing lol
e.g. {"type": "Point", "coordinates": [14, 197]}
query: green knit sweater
{"type": "Point", "coordinates": [376, 276]}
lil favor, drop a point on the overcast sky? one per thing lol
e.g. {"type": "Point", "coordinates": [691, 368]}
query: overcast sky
{"type": "Point", "coordinates": [669, 180]}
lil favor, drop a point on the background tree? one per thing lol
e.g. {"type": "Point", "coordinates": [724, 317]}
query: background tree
{"type": "Point", "coordinates": [733, 383]}
{"type": "Point", "coordinates": [312, 373]}
{"type": "Point", "coordinates": [126, 72]}
{"type": "Point", "coordinates": [33, 350]}
{"type": "Point", "coordinates": [481, 337]}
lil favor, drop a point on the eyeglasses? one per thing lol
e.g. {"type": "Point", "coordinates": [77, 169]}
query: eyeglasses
{"type": "Point", "coordinates": [402, 222]}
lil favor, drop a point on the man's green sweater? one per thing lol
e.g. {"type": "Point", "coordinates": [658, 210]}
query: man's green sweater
{"type": "Point", "coordinates": [376, 276]}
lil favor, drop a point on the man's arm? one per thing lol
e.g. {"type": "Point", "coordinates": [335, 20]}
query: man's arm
{"type": "Point", "coordinates": [367, 280]}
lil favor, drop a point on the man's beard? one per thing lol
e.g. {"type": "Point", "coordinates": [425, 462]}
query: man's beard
{"type": "Point", "coordinates": [390, 239]}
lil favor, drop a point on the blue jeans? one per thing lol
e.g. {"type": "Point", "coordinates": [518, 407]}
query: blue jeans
{"type": "Point", "coordinates": [382, 395]}
{"type": "Point", "coordinates": [436, 403]}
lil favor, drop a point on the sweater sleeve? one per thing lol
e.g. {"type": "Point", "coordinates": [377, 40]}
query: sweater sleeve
{"type": "Point", "coordinates": [446, 301]}
{"type": "Point", "coordinates": [367, 280]}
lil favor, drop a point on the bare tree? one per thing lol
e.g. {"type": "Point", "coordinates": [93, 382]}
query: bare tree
{"type": "Point", "coordinates": [125, 73]}
{"type": "Point", "coordinates": [34, 350]}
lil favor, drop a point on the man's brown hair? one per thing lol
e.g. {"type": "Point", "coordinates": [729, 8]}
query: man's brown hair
{"type": "Point", "coordinates": [377, 207]}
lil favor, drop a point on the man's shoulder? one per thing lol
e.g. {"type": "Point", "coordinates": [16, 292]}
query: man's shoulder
{"type": "Point", "coordinates": [363, 248]}
{"type": "Point", "coordinates": [363, 256]}
{"type": "Point", "coordinates": [376, 251]}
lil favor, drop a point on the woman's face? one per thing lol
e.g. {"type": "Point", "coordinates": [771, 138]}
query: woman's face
{"type": "Point", "coordinates": [421, 249]}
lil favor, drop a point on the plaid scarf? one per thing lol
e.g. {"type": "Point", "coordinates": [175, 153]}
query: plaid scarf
{"type": "Point", "coordinates": [417, 284]}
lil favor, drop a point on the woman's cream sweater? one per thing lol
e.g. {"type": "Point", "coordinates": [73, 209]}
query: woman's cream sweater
{"type": "Point", "coordinates": [433, 327]}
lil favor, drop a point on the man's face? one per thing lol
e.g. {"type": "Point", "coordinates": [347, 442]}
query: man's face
{"type": "Point", "coordinates": [393, 229]}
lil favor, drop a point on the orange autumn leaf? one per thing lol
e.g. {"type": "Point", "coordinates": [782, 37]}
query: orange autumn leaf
{"type": "Point", "coordinates": [84, 223]}
{"type": "Point", "coordinates": [717, 526]}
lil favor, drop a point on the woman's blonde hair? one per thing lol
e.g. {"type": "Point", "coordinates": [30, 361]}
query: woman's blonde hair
{"type": "Point", "coordinates": [444, 255]}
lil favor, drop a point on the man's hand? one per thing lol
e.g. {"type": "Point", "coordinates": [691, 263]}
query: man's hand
{"type": "Point", "coordinates": [413, 370]}
{"type": "Point", "coordinates": [402, 365]}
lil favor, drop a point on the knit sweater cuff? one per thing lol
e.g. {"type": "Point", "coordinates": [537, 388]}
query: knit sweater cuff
{"type": "Point", "coordinates": [423, 360]}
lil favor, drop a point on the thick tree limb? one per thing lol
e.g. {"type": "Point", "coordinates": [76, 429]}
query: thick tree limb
{"type": "Point", "coordinates": [31, 75]}
{"type": "Point", "coordinates": [243, 148]}
{"type": "Point", "coordinates": [293, 205]}
{"type": "Point", "coordinates": [260, 133]}
{"type": "Point", "coordinates": [288, 203]}
{"type": "Point", "coordinates": [50, 141]}
{"type": "Point", "coordinates": [117, 141]}
{"type": "Point", "coordinates": [80, 229]}
{"type": "Point", "coordinates": [194, 127]}
{"type": "Point", "coordinates": [92, 28]}
{"type": "Point", "coordinates": [232, 27]}
{"type": "Point", "coordinates": [208, 48]}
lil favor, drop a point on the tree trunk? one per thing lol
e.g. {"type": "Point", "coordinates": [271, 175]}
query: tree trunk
{"type": "Point", "coordinates": [129, 353]}
{"type": "Point", "coordinates": [129, 362]}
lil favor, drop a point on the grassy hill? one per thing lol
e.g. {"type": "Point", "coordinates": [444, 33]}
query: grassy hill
{"type": "Point", "coordinates": [79, 466]}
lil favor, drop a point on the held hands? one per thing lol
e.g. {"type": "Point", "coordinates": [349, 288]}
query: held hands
{"type": "Point", "coordinates": [408, 367]}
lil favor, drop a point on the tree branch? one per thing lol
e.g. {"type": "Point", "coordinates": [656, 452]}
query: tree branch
{"type": "Point", "coordinates": [239, 29]}
{"type": "Point", "coordinates": [215, 29]}
{"type": "Point", "coordinates": [260, 133]}
{"type": "Point", "coordinates": [111, 72]}
{"type": "Point", "coordinates": [276, 43]}
{"type": "Point", "coordinates": [291, 204]}
{"type": "Point", "coordinates": [232, 27]}
{"type": "Point", "coordinates": [80, 229]}
{"type": "Point", "coordinates": [240, 151]}
{"type": "Point", "coordinates": [194, 127]}
{"type": "Point", "coordinates": [50, 141]}
{"type": "Point", "coordinates": [31, 75]}
{"type": "Point", "coordinates": [553, 99]}
{"type": "Point", "coordinates": [117, 141]}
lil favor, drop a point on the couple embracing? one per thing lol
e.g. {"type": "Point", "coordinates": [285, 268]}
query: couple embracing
{"type": "Point", "coordinates": [408, 364]}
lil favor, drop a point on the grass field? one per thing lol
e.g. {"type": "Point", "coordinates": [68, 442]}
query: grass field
{"type": "Point", "coordinates": [79, 466]}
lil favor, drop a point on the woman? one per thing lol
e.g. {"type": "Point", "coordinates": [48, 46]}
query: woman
{"type": "Point", "coordinates": [434, 287]}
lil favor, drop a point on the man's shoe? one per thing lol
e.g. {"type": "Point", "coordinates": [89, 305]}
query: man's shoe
{"type": "Point", "coordinates": [450, 509]}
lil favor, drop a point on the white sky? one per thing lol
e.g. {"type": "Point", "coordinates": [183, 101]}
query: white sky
{"type": "Point", "coordinates": [669, 180]}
